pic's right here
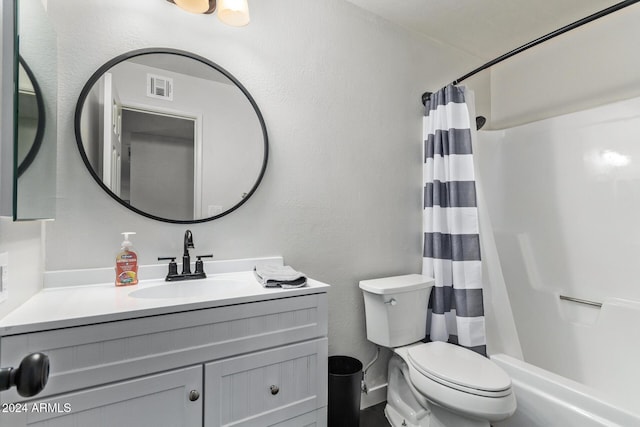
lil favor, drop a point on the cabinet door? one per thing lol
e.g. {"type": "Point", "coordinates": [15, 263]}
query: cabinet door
{"type": "Point", "coordinates": [155, 401]}
{"type": "Point", "coordinates": [268, 387]}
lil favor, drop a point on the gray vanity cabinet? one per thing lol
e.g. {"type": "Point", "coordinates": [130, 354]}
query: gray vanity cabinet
{"type": "Point", "coordinates": [253, 364]}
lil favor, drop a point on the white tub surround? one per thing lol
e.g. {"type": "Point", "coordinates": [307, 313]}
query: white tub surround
{"type": "Point", "coordinates": [563, 199]}
{"type": "Point", "coordinates": [178, 353]}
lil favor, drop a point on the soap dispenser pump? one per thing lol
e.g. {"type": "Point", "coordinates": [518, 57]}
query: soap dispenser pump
{"type": "Point", "coordinates": [126, 263]}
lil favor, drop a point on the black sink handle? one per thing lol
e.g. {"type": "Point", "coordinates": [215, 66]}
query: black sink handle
{"type": "Point", "coordinates": [173, 266]}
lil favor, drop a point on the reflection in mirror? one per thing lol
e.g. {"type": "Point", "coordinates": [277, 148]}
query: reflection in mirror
{"type": "Point", "coordinates": [171, 135]}
{"type": "Point", "coordinates": [35, 114]}
{"type": "Point", "coordinates": [31, 117]}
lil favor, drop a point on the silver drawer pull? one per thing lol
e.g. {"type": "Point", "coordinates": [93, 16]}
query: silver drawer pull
{"type": "Point", "coordinates": [274, 389]}
{"type": "Point", "coordinates": [194, 395]}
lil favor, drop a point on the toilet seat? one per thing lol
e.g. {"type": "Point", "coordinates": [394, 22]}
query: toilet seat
{"type": "Point", "coordinates": [460, 369]}
{"type": "Point", "coordinates": [463, 393]}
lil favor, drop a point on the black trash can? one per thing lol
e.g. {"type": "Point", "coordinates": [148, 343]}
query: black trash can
{"type": "Point", "coordinates": [345, 375]}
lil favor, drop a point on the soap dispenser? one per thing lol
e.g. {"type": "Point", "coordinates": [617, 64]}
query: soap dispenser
{"type": "Point", "coordinates": [126, 263]}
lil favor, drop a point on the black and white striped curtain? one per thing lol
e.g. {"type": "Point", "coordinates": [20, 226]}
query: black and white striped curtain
{"type": "Point", "coordinates": [451, 233]}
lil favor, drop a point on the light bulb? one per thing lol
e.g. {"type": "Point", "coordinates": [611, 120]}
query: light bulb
{"type": "Point", "coordinates": [193, 6]}
{"type": "Point", "coordinates": [233, 12]}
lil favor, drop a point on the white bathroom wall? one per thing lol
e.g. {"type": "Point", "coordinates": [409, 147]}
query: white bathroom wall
{"type": "Point", "coordinates": [564, 196]}
{"type": "Point", "coordinates": [22, 241]}
{"type": "Point", "coordinates": [339, 90]}
{"type": "Point", "coordinates": [592, 65]}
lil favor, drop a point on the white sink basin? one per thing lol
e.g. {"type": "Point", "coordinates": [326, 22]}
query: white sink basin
{"type": "Point", "coordinates": [193, 289]}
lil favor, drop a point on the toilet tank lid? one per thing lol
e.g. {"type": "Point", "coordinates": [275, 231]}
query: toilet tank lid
{"type": "Point", "coordinates": [396, 284]}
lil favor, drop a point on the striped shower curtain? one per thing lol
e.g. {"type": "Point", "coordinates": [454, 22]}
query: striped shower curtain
{"type": "Point", "coordinates": [451, 236]}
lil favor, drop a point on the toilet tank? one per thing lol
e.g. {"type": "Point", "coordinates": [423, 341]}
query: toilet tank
{"type": "Point", "coordinates": [396, 309]}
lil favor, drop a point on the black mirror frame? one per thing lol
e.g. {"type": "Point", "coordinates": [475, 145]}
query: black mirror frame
{"type": "Point", "coordinates": [37, 139]}
{"type": "Point", "coordinates": [94, 78]}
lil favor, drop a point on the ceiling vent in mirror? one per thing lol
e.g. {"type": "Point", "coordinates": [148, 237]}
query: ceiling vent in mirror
{"type": "Point", "coordinates": [160, 87]}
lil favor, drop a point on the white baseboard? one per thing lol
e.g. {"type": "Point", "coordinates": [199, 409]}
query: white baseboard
{"type": "Point", "coordinates": [375, 395]}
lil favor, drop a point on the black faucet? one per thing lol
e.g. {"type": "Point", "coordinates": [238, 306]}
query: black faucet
{"type": "Point", "coordinates": [186, 259]}
{"type": "Point", "coordinates": [186, 263]}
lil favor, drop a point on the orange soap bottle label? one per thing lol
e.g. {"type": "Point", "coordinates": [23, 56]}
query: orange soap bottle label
{"type": "Point", "coordinates": [126, 268]}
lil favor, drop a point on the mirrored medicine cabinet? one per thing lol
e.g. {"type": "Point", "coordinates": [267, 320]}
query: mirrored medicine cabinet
{"type": "Point", "coordinates": [28, 149]}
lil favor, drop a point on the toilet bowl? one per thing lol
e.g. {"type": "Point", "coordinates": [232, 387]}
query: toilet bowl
{"type": "Point", "coordinates": [431, 384]}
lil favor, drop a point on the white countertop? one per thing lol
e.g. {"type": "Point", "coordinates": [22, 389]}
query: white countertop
{"type": "Point", "coordinates": [63, 307]}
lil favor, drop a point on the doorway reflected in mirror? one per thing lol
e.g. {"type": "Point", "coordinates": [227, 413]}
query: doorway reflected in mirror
{"type": "Point", "coordinates": [171, 135]}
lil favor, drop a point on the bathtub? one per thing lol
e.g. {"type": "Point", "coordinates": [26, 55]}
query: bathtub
{"type": "Point", "coordinates": [549, 400]}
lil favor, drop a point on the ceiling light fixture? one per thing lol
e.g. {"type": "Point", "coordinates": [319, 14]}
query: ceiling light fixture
{"type": "Point", "coordinates": [231, 12]}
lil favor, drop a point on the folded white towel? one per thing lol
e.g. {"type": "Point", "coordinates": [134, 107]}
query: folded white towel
{"type": "Point", "coordinates": [271, 276]}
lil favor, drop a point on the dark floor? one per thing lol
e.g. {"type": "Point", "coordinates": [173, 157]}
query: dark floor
{"type": "Point", "coordinates": [373, 416]}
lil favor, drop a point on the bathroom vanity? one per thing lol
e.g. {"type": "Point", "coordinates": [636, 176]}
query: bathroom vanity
{"type": "Point", "coordinates": [225, 351]}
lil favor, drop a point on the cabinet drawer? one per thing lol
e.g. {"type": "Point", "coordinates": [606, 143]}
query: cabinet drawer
{"type": "Point", "coordinates": [97, 354]}
{"type": "Point", "coordinates": [239, 391]}
{"type": "Point", "coordinates": [152, 401]}
{"type": "Point", "coordinates": [311, 419]}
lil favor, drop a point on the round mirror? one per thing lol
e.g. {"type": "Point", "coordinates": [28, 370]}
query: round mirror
{"type": "Point", "coordinates": [171, 135]}
{"type": "Point", "coordinates": [31, 118]}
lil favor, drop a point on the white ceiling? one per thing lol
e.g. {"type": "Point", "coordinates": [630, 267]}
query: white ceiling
{"type": "Point", "coordinates": [483, 28]}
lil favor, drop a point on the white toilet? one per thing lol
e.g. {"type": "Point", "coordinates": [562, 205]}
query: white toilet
{"type": "Point", "coordinates": [432, 384]}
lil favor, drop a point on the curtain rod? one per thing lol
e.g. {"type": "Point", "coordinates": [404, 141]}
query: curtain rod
{"type": "Point", "coordinates": [542, 39]}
